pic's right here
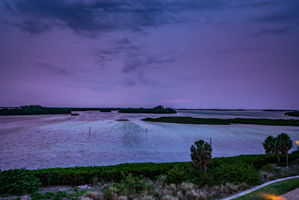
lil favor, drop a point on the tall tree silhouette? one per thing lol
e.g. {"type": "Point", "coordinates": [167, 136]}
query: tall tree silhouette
{"type": "Point", "coordinates": [284, 144]}
{"type": "Point", "coordinates": [201, 154]}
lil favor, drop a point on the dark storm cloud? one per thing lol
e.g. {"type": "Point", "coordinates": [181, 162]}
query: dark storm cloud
{"type": "Point", "coordinates": [93, 17]}
{"type": "Point", "coordinates": [53, 68]}
{"type": "Point", "coordinates": [285, 11]}
{"type": "Point", "coordinates": [135, 57]}
{"type": "Point", "coordinates": [276, 31]}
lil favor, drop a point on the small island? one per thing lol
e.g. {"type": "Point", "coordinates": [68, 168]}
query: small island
{"type": "Point", "coordinates": [215, 121]}
{"type": "Point", "coordinates": [156, 110]}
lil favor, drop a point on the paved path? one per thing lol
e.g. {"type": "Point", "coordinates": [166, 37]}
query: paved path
{"type": "Point", "coordinates": [258, 187]}
{"type": "Point", "coordinates": [294, 194]}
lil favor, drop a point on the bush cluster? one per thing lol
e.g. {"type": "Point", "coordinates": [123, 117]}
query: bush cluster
{"type": "Point", "coordinates": [18, 181]}
{"type": "Point", "coordinates": [236, 173]}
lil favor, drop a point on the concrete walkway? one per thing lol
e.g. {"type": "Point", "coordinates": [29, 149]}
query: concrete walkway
{"type": "Point", "coordinates": [258, 187]}
{"type": "Point", "coordinates": [294, 194]}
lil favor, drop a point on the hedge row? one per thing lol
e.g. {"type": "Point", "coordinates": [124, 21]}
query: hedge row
{"type": "Point", "coordinates": [84, 175]}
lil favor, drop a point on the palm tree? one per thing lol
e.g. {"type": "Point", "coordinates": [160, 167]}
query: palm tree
{"type": "Point", "coordinates": [201, 154]}
{"type": "Point", "coordinates": [284, 144]}
{"type": "Point", "coordinates": [270, 146]}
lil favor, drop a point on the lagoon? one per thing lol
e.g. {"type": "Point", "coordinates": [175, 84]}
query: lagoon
{"type": "Point", "coordinates": [95, 138]}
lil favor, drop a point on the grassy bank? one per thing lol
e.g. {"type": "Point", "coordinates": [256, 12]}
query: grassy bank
{"type": "Point", "coordinates": [274, 189]}
{"type": "Point", "coordinates": [215, 121]}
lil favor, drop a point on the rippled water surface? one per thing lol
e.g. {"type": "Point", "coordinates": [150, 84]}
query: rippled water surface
{"type": "Point", "coordinates": [95, 138]}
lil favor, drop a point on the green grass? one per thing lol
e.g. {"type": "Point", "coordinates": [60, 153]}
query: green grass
{"type": "Point", "coordinates": [215, 121]}
{"type": "Point", "coordinates": [278, 188]}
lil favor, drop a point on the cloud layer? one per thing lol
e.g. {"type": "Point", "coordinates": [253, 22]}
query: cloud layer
{"type": "Point", "coordinates": [90, 18]}
{"type": "Point", "coordinates": [183, 53]}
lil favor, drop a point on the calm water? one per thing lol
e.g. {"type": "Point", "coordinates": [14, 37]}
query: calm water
{"type": "Point", "coordinates": [62, 140]}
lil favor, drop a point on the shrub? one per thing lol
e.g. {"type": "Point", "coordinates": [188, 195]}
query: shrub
{"type": "Point", "coordinates": [269, 168]}
{"type": "Point", "coordinates": [200, 177]}
{"type": "Point", "coordinates": [131, 185]}
{"type": "Point", "coordinates": [18, 182]}
{"type": "Point", "coordinates": [236, 173]}
{"type": "Point", "coordinates": [177, 175]}
{"type": "Point", "coordinates": [257, 161]}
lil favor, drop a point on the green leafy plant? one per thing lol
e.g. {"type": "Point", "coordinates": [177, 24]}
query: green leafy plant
{"type": "Point", "coordinates": [18, 182]}
{"type": "Point", "coordinates": [236, 173]}
{"type": "Point", "coordinates": [131, 185]}
{"type": "Point", "coordinates": [177, 175]}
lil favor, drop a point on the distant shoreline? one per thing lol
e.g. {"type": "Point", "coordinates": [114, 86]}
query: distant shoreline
{"type": "Point", "coordinates": [40, 110]}
{"type": "Point", "coordinates": [215, 109]}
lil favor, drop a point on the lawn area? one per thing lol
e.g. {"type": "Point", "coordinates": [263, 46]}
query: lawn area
{"type": "Point", "coordinates": [278, 188]}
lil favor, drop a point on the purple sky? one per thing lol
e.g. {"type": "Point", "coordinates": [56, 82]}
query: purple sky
{"type": "Point", "coordinates": [179, 53]}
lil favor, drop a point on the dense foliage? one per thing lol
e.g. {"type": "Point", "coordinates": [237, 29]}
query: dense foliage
{"type": "Point", "coordinates": [18, 181]}
{"type": "Point", "coordinates": [278, 146]}
{"type": "Point", "coordinates": [192, 120]}
{"type": "Point", "coordinates": [155, 110]}
{"type": "Point", "coordinates": [293, 113]}
{"type": "Point", "coordinates": [238, 172]}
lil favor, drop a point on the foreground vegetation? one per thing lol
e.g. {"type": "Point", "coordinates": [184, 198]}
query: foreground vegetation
{"type": "Point", "coordinates": [240, 171]}
{"type": "Point", "coordinates": [274, 189]}
{"type": "Point", "coordinates": [215, 121]}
